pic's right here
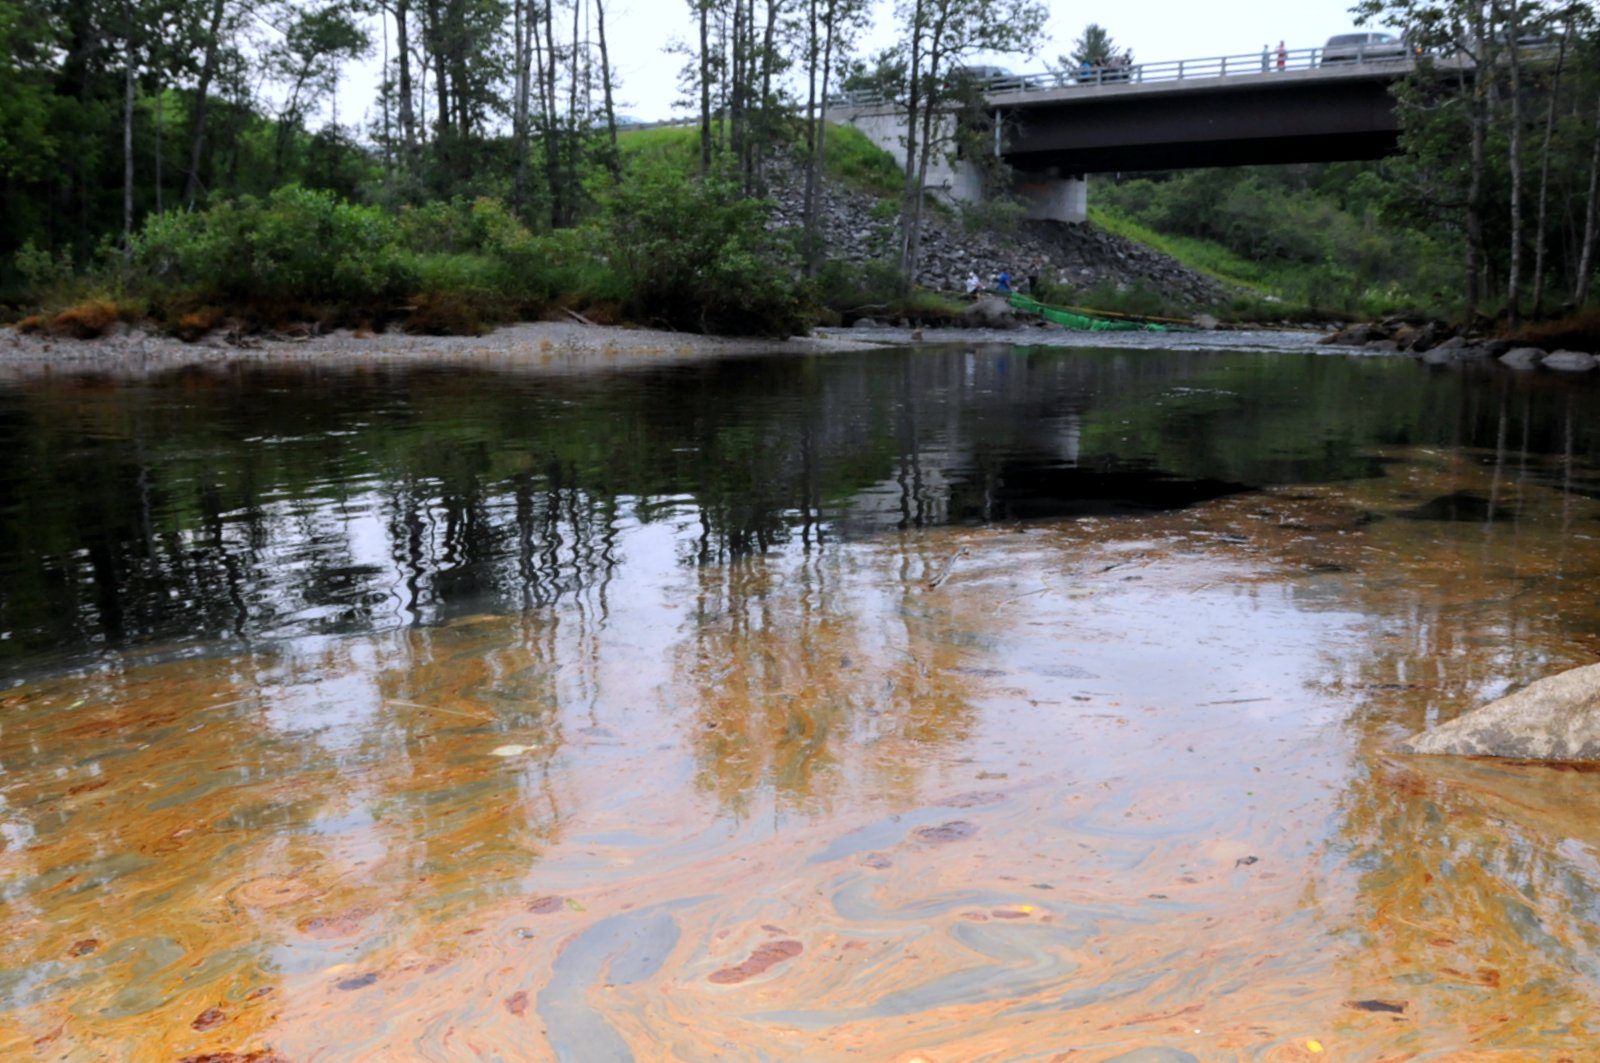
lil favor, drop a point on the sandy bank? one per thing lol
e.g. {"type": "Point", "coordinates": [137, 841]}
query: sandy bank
{"type": "Point", "coordinates": [553, 346]}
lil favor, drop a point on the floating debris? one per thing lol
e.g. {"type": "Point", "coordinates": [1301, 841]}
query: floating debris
{"type": "Point", "coordinates": [762, 960]}
{"type": "Point", "coordinates": [954, 831]}
{"type": "Point", "coordinates": [1387, 1007]}
{"type": "Point", "coordinates": [209, 1019]}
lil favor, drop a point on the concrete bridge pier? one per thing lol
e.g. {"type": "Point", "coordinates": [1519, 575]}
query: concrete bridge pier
{"type": "Point", "coordinates": [1047, 194]}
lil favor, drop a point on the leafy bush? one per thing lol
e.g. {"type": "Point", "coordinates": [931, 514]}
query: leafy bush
{"type": "Point", "coordinates": [695, 254]}
{"type": "Point", "coordinates": [295, 247]}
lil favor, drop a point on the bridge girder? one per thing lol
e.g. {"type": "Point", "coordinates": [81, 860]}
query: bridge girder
{"type": "Point", "coordinates": [1237, 121]}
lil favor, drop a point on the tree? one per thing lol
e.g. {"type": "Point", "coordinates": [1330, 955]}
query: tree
{"type": "Point", "coordinates": [941, 34]}
{"type": "Point", "coordinates": [308, 58]}
{"type": "Point", "coordinates": [1094, 48]}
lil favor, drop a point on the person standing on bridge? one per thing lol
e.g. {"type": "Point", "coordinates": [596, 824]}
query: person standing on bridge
{"type": "Point", "coordinates": [1266, 58]}
{"type": "Point", "coordinates": [1283, 57]}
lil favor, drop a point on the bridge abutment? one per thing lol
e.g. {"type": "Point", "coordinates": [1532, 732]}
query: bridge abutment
{"type": "Point", "coordinates": [1047, 195]}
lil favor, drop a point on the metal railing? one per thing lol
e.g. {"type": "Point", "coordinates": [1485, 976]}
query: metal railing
{"type": "Point", "coordinates": [1221, 66]}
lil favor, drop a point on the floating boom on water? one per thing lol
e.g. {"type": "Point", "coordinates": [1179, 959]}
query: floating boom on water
{"type": "Point", "coordinates": [1082, 322]}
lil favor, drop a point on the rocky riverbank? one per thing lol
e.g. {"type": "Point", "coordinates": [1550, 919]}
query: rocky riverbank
{"type": "Point", "coordinates": [857, 229]}
{"type": "Point", "coordinates": [1436, 343]}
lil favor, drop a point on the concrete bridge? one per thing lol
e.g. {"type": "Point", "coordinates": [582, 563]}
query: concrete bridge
{"type": "Point", "coordinates": [1300, 106]}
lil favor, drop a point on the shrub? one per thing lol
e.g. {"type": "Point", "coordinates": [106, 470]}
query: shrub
{"type": "Point", "coordinates": [1575, 332]}
{"type": "Point", "coordinates": [293, 248]}
{"type": "Point", "coordinates": [196, 324]}
{"type": "Point", "coordinates": [88, 320]}
{"type": "Point", "coordinates": [694, 254]}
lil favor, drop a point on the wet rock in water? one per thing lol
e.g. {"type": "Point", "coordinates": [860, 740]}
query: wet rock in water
{"type": "Point", "coordinates": [1462, 506]}
{"type": "Point", "coordinates": [1355, 336]}
{"type": "Point", "coordinates": [1554, 719]}
{"type": "Point", "coordinates": [877, 861]}
{"type": "Point", "coordinates": [547, 905]}
{"type": "Point", "coordinates": [1571, 362]}
{"type": "Point", "coordinates": [1382, 346]}
{"type": "Point", "coordinates": [83, 947]}
{"type": "Point", "coordinates": [264, 1055]}
{"type": "Point", "coordinates": [866, 322]}
{"type": "Point", "coordinates": [954, 831]}
{"type": "Point", "coordinates": [1522, 358]}
{"type": "Point", "coordinates": [360, 981]}
{"type": "Point", "coordinates": [209, 1019]}
{"type": "Point", "coordinates": [762, 960]}
{"type": "Point", "coordinates": [517, 1003]}
{"type": "Point", "coordinates": [1384, 1007]}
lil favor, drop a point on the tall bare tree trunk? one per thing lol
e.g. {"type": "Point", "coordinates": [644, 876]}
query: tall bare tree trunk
{"type": "Point", "coordinates": [1478, 118]}
{"type": "Point", "coordinates": [932, 105]}
{"type": "Point", "coordinates": [1540, 236]}
{"type": "Point", "coordinates": [808, 212]}
{"type": "Point", "coordinates": [1585, 278]}
{"type": "Point", "coordinates": [614, 156]}
{"type": "Point", "coordinates": [127, 137]}
{"type": "Point", "coordinates": [160, 121]}
{"type": "Point", "coordinates": [913, 192]}
{"type": "Point", "coordinates": [520, 16]}
{"type": "Point", "coordinates": [552, 140]}
{"type": "Point", "coordinates": [1514, 281]}
{"type": "Point", "coordinates": [408, 116]}
{"type": "Point", "coordinates": [570, 194]}
{"type": "Point", "coordinates": [202, 101]}
{"type": "Point", "coordinates": [705, 86]}
{"type": "Point", "coordinates": [768, 62]}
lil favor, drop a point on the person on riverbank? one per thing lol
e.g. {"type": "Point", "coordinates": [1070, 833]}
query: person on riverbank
{"type": "Point", "coordinates": [973, 284]}
{"type": "Point", "coordinates": [1002, 283]}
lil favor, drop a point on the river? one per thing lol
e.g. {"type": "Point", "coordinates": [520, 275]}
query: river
{"type": "Point", "coordinates": [959, 703]}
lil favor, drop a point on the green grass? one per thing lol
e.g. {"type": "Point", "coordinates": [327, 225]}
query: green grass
{"type": "Point", "coordinates": [854, 160]}
{"type": "Point", "coordinates": [851, 158]}
{"type": "Point", "coordinates": [1202, 256]}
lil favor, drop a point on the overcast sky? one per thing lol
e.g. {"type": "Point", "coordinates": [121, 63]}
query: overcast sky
{"type": "Point", "coordinates": [1156, 30]}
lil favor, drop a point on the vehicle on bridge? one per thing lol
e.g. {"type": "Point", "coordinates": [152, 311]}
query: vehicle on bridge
{"type": "Point", "coordinates": [1364, 48]}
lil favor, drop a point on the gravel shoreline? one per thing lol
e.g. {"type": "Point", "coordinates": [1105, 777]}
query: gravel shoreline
{"type": "Point", "coordinates": [562, 347]}
{"type": "Point", "coordinates": [556, 347]}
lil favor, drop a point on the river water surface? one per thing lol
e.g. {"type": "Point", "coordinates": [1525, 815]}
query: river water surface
{"type": "Point", "coordinates": [941, 705]}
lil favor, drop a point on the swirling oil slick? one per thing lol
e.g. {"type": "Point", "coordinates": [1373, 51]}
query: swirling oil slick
{"type": "Point", "coordinates": [1112, 788]}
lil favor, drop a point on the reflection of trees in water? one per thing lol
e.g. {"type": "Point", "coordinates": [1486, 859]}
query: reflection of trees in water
{"type": "Point", "coordinates": [349, 780]}
{"type": "Point", "coordinates": [274, 502]}
{"type": "Point", "coordinates": [1474, 884]}
{"type": "Point", "coordinates": [799, 668]}
{"type": "Point", "coordinates": [1475, 892]}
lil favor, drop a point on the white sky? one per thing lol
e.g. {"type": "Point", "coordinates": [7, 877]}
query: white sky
{"type": "Point", "coordinates": [1156, 30]}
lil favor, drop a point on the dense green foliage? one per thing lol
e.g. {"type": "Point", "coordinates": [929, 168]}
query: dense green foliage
{"type": "Point", "coordinates": [1500, 146]}
{"type": "Point", "coordinates": [1314, 236]}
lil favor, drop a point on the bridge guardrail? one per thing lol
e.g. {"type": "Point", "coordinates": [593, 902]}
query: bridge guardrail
{"type": "Point", "coordinates": [1257, 63]}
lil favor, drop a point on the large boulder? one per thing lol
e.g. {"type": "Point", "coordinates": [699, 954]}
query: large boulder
{"type": "Point", "coordinates": [1571, 362]}
{"type": "Point", "coordinates": [989, 312]}
{"type": "Point", "coordinates": [1356, 336]}
{"type": "Point", "coordinates": [1556, 718]}
{"type": "Point", "coordinates": [1522, 358]}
